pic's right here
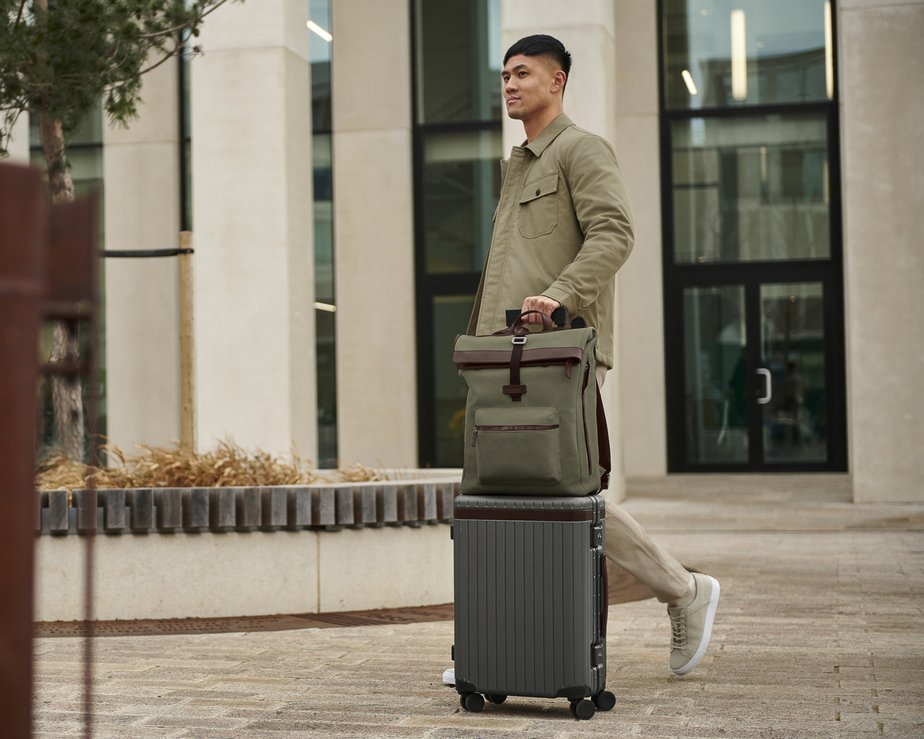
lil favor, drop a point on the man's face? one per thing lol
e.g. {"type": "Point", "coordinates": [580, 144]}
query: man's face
{"type": "Point", "coordinates": [530, 85]}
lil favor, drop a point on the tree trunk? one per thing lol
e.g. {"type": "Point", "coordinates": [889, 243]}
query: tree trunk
{"type": "Point", "coordinates": [59, 175]}
{"type": "Point", "coordinates": [66, 395]}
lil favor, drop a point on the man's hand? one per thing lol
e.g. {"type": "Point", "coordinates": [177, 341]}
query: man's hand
{"type": "Point", "coordinates": [540, 303]}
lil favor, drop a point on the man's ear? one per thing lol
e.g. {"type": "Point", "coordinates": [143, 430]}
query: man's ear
{"type": "Point", "coordinates": [559, 78]}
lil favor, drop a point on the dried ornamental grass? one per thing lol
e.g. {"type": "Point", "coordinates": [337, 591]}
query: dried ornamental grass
{"type": "Point", "coordinates": [156, 467]}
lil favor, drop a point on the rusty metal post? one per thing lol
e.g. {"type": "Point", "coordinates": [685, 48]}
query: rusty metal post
{"type": "Point", "coordinates": [22, 235]}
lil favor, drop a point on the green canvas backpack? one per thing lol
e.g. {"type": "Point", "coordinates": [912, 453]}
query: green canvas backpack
{"type": "Point", "coordinates": [534, 421]}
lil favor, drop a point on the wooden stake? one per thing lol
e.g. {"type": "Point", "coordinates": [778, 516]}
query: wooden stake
{"type": "Point", "coordinates": [187, 347]}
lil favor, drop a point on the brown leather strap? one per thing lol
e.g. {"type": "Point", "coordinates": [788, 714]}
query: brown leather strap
{"type": "Point", "coordinates": [603, 442]}
{"type": "Point", "coordinates": [515, 389]}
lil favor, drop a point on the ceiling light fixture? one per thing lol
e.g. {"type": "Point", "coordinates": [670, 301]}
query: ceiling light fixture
{"type": "Point", "coordinates": [315, 28]}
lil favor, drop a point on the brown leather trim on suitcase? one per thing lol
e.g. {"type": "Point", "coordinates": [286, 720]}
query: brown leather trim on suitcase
{"type": "Point", "coordinates": [523, 514]}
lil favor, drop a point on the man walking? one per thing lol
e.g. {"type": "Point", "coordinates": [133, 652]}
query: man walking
{"type": "Point", "coordinates": [562, 229]}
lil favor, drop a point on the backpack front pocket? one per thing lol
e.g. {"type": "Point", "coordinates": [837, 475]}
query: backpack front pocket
{"type": "Point", "coordinates": [517, 445]}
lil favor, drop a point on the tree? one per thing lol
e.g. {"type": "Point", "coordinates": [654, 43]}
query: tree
{"type": "Point", "coordinates": [58, 60]}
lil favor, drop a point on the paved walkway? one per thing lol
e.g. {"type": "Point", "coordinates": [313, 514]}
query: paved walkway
{"type": "Point", "coordinates": [819, 633]}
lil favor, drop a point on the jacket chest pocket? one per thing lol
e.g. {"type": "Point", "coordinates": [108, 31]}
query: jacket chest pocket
{"type": "Point", "coordinates": [537, 211]}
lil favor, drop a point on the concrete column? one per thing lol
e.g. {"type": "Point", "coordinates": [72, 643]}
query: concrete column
{"type": "Point", "coordinates": [588, 31]}
{"type": "Point", "coordinates": [881, 76]}
{"type": "Point", "coordinates": [252, 170]}
{"type": "Point", "coordinates": [640, 303]}
{"type": "Point", "coordinates": [373, 233]}
{"type": "Point", "coordinates": [142, 211]}
{"type": "Point", "coordinates": [18, 144]}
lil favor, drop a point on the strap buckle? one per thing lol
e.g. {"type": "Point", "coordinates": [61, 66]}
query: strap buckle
{"type": "Point", "coordinates": [518, 340]}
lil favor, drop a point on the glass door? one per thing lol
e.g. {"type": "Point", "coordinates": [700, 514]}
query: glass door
{"type": "Point", "coordinates": [755, 386]}
{"type": "Point", "coordinates": [717, 379]}
{"type": "Point", "coordinates": [791, 388]}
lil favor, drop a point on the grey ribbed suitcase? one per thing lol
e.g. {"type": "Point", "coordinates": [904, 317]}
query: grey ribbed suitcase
{"type": "Point", "coordinates": [530, 600]}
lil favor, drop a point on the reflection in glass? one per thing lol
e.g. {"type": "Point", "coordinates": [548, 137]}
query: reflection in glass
{"type": "Point", "coordinates": [458, 61]}
{"type": "Point", "coordinates": [325, 323]}
{"type": "Point", "coordinates": [461, 187]}
{"type": "Point", "coordinates": [450, 316]}
{"type": "Point", "coordinates": [716, 379]}
{"type": "Point", "coordinates": [319, 51]}
{"type": "Point", "coordinates": [749, 189]}
{"type": "Point", "coordinates": [793, 350]}
{"type": "Point", "coordinates": [746, 52]}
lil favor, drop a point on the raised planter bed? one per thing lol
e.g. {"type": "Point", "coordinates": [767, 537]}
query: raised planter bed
{"type": "Point", "coordinates": [229, 552]}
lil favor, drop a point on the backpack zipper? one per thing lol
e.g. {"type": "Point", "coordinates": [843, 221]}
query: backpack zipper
{"type": "Point", "coordinates": [511, 427]}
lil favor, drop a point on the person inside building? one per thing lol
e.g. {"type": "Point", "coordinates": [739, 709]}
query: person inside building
{"type": "Point", "coordinates": [562, 230]}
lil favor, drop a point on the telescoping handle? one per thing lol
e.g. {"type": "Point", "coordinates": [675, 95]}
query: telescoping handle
{"type": "Point", "coordinates": [559, 316]}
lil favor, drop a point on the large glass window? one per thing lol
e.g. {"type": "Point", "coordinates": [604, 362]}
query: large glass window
{"type": "Point", "coordinates": [325, 296]}
{"type": "Point", "coordinates": [461, 187]}
{"type": "Point", "coordinates": [459, 59]}
{"type": "Point", "coordinates": [747, 52]}
{"type": "Point", "coordinates": [457, 179]}
{"type": "Point", "coordinates": [750, 188]}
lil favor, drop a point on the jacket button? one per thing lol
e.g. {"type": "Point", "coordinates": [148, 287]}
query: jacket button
{"type": "Point", "coordinates": [537, 192]}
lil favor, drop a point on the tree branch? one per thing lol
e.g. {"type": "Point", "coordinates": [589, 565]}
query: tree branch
{"type": "Point", "coordinates": [213, 9]}
{"type": "Point", "coordinates": [167, 55]}
{"type": "Point", "coordinates": [22, 5]}
{"type": "Point", "coordinates": [183, 26]}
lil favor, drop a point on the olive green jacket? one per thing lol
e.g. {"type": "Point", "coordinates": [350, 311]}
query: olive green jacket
{"type": "Point", "coordinates": [562, 229]}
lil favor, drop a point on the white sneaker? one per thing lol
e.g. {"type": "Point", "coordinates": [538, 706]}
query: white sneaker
{"type": "Point", "coordinates": [449, 676]}
{"type": "Point", "coordinates": [691, 625]}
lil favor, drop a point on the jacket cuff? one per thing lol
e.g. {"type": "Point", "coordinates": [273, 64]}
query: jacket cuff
{"type": "Point", "coordinates": [560, 295]}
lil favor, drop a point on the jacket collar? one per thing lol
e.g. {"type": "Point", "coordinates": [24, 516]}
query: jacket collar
{"type": "Point", "coordinates": [548, 135]}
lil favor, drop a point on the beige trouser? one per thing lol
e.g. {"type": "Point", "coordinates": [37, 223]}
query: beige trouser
{"type": "Point", "coordinates": [630, 546]}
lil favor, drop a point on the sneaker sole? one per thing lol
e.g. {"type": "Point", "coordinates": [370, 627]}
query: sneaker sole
{"type": "Point", "coordinates": [707, 630]}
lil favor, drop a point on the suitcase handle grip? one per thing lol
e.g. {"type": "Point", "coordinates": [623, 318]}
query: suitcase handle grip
{"type": "Point", "coordinates": [547, 324]}
{"type": "Point", "coordinates": [559, 316]}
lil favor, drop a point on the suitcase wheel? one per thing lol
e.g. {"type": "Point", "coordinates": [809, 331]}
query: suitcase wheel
{"type": "Point", "coordinates": [583, 709]}
{"type": "Point", "coordinates": [497, 698]}
{"type": "Point", "coordinates": [473, 702]}
{"type": "Point", "coordinates": [604, 700]}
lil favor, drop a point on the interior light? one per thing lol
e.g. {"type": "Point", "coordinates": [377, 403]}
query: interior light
{"type": "Point", "coordinates": [739, 55]}
{"type": "Point", "coordinates": [688, 80]}
{"type": "Point", "coordinates": [315, 28]}
{"type": "Point", "coordinates": [829, 52]}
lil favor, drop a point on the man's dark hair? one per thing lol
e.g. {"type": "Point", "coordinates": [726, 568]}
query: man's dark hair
{"type": "Point", "coordinates": [541, 45]}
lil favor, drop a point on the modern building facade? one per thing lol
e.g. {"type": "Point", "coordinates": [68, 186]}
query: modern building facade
{"type": "Point", "coordinates": [340, 194]}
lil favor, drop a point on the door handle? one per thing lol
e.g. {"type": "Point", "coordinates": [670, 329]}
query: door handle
{"type": "Point", "coordinates": [768, 385]}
